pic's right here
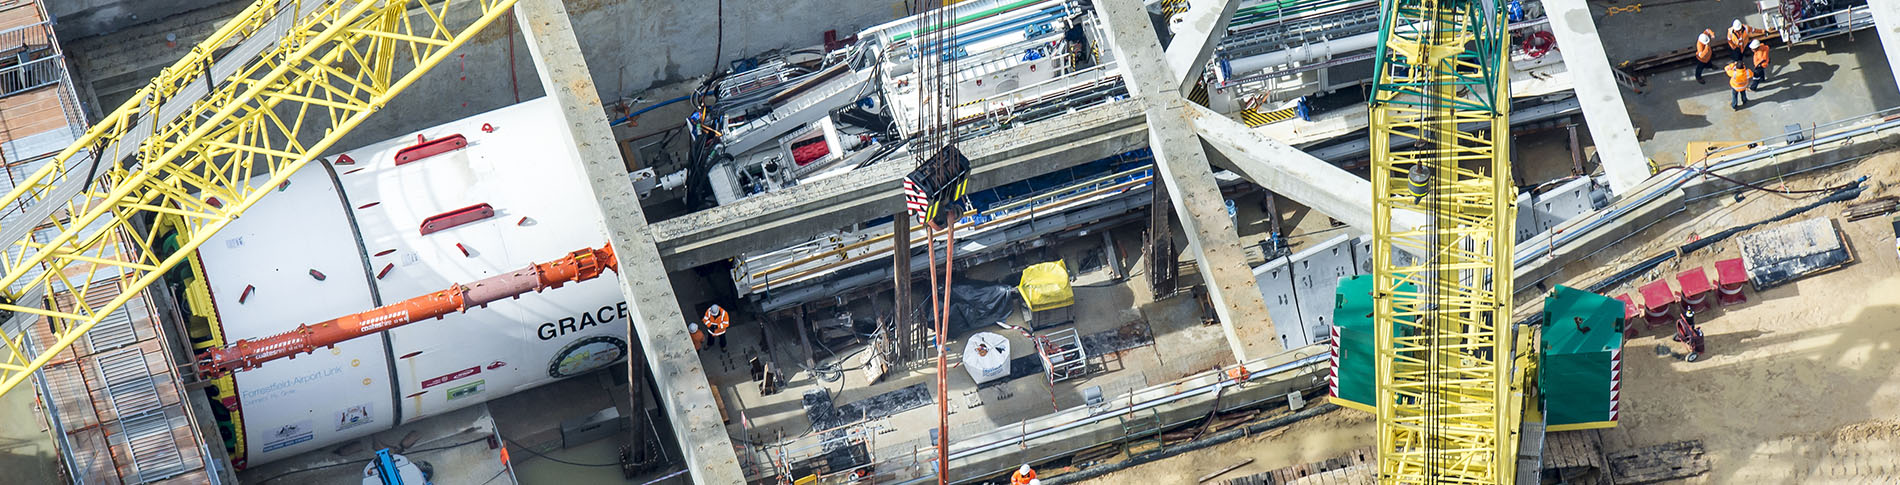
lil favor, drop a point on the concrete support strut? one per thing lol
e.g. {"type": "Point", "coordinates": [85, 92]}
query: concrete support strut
{"type": "Point", "coordinates": [657, 322]}
{"type": "Point", "coordinates": [1598, 92]}
{"type": "Point", "coordinates": [1182, 163]}
{"type": "Point", "coordinates": [1287, 171]}
{"type": "Point", "coordinates": [1201, 28]}
{"type": "Point", "coordinates": [1887, 23]}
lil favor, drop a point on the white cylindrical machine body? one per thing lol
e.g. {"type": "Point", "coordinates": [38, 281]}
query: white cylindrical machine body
{"type": "Point", "coordinates": [1304, 53]}
{"type": "Point", "coordinates": [520, 162]}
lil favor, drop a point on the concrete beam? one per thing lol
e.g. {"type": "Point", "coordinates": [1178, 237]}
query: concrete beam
{"type": "Point", "coordinates": [1286, 170]}
{"type": "Point", "coordinates": [1191, 187]}
{"type": "Point", "coordinates": [777, 219]}
{"type": "Point", "coordinates": [1887, 23]}
{"type": "Point", "coordinates": [684, 393]}
{"type": "Point", "coordinates": [1610, 127]}
{"type": "Point", "coordinates": [1201, 28]}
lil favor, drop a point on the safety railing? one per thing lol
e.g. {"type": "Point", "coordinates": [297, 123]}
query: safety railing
{"type": "Point", "coordinates": [31, 75]}
{"type": "Point", "coordinates": [17, 38]}
{"type": "Point", "coordinates": [1814, 138]}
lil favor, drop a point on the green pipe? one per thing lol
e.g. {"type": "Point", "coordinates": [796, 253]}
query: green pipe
{"type": "Point", "coordinates": [971, 17]}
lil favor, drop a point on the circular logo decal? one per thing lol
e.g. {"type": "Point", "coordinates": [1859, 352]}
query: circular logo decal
{"type": "Point", "coordinates": [586, 354]}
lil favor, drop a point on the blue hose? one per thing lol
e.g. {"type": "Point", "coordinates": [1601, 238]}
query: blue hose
{"type": "Point", "coordinates": [636, 114]}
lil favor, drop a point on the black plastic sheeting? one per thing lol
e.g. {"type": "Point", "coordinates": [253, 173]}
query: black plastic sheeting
{"type": "Point", "coordinates": [1850, 192]}
{"type": "Point", "coordinates": [974, 304]}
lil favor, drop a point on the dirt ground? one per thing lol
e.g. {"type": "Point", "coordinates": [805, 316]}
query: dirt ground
{"type": "Point", "coordinates": [1801, 384]}
{"type": "Point", "coordinates": [1315, 439]}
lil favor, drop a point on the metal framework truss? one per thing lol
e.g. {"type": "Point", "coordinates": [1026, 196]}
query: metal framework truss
{"type": "Point", "coordinates": [208, 138]}
{"type": "Point", "coordinates": [1445, 409]}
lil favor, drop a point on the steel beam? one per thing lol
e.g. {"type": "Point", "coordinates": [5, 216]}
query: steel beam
{"type": "Point", "coordinates": [1182, 164]}
{"type": "Point", "coordinates": [1887, 23]}
{"type": "Point", "coordinates": [1200, 29]}
{"type": "Point", "coordinates": [1602, 98]}
{"type": "Point", "coordinates": [684, 393]}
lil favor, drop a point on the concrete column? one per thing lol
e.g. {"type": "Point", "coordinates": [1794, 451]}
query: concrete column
{"type": "Point", "coordinates": [683, 389]}
{"type": "Point", "coordinates": [1191, 187]}
{"type": "Point", "coordinates": [1201, 29]}
{"type": "Point", "coordinates": [1887, 23]}
{"type": "Point", "coordinates": [1597, 91]}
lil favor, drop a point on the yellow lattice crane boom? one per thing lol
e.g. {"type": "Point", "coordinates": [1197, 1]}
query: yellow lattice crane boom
{"type": "Point", "coordinates": [1448, 405]}
{"type": "Point", "coordinates": [210, 136]}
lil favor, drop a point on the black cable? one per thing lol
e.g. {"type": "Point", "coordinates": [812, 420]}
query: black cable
{"type": "Point", "coordinates": [1704, 171]}
{"type": "Point", "coordinates": [556, 460]}
{"type": "Point", "coordinates": [497, 475]}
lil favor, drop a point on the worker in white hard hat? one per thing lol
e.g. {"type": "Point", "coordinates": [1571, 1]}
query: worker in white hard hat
{"type": "Point", "coordinates": [717, 321]}
{"type": "Point", "coordinates": [1738, 36]}
{"type": "Point", "coordinates": [1035, 481]}
{"type": "Point", "coordinates": [1760, 61]}
{"type": "Point", "coordinates": [1704, 53]}
{"type": "Point", "coordinates": [1024, 476]}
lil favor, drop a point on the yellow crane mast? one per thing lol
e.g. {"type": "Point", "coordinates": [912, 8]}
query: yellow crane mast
{"type": "Point", "coordinates": [209, 137]}
{"type": "Point", "coordinates": [1446, 396]}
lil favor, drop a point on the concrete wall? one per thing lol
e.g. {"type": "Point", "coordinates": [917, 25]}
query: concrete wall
{"type": "Point", "coordinates": [86, 18]}
{"type": "Point", "coordinates": [630, 45]}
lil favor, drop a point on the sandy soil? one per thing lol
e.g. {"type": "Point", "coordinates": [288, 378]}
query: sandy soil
{"type": "Point", "coordinates": [1800, 384]}
{"type": "Point", "coordinates": [1319, 438]}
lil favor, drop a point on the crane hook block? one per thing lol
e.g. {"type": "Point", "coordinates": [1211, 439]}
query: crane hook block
{"type": "Point", "coordinates": [430, 148]}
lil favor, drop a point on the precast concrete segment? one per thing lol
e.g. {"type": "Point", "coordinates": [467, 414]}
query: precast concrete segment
{"type": "Point", "coordinates": [1191, 186]}
{"type": "Point", "coordinates": [1887, 23]}
{"type": "Point", "coordinates": [1597, 90]}
{"type": "Point", "coordinates": [684, 393]}
{"type": "Point", "coordinates": [795, 215]}
{"type": "Point", "coordinates": [1201, 28]}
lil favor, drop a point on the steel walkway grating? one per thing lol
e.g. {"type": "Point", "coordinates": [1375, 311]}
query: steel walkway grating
{"type": "Point", "coordinates": [129, 385]}
{"type": "Point", "coordinates": [154, 452]}
{"type": "Point", "coordinates": [112, 332]}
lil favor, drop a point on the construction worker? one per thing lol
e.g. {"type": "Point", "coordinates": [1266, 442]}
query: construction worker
{"type": "Point", "coordinates": [1761, 62]}
{"type": "Point", "coordinates": [1739, 77]}
{"type": "Point", "coordinates": [1704, 53]}
{"type": "Point", "coordinates": [1024, 476]}
{"type": "Point", "coordinates": [699, 338]}
{"type": "Point", "coordinates": [717, 321]}
{"type": "Point", "coordinates": [1738, 36]}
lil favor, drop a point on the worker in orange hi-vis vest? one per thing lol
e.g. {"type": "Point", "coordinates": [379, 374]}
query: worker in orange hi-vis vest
{"type": "Point", "coordinates": [1761, 62]}
{"type": "Point", "coordinates": [1738, 36]}
{"type": "Point", "coordinates": [1704, 53]}
{"type": "Point", "coordinates": [1739, 76]}
{"type": "Point", "coordinates": [1023, 476]}
{"type": "Point", "coordinates": [717, 321]}
{"type": "Point", "coordinates": [699, 338]}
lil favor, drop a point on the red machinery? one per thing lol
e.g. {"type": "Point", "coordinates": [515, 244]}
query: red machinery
{"type": "Point", "coordinates": [1730, 276]}
{"type": "Point", "coordinates": [1696, 289]}
{"type": "Point", "coordinates": [247, 354]}
{"type": "Point", "coordinates": [1631, 312]}
{"type": "Point", "coordinates": [1658, 302]}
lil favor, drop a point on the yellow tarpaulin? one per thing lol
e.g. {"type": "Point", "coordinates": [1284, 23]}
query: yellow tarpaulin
{"type": "Point", "coordinates": [1045, 286]}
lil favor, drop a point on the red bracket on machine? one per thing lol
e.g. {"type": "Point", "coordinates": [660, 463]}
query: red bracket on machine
{"type": "Point", "coordinates": [429, 148]}
{"type": "Point", "coordinates": [450, 219]}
